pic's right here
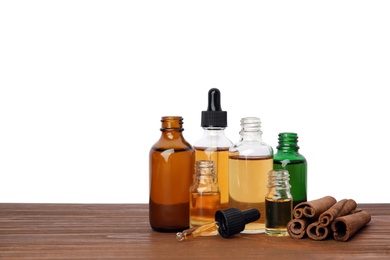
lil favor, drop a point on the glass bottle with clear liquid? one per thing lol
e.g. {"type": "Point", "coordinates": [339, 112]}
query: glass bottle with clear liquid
{"type": "Point", "coordinates": [250, 160]}
{"type": "Point", "coordinates": [204, 195]}
{"type": "Point", "coordinates": [171, 168]}
{"type": "Point", "coordinates": [288, 157]}
{"type": "Point", "coordinates": [214, 144]}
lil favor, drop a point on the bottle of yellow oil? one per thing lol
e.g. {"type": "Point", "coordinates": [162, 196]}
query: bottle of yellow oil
{"type": "Point", "coordinates": [250, 161]}
{"type": "Point", "coordinates": [214, 144]}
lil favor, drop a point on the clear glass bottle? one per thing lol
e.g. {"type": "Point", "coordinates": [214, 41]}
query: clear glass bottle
{"type": "Point", "coordinates": [288, 157]}
{"type": "Point", "coordinates": [250, 160]}
{"type": "Point", "coordinates": [214, 144]}
{"type": "Point", "coordinates": [278, 203]}
{"type": "Point", "coordinates": [171, 167]}
{"type": "Point", "coordinates": [204, 195]}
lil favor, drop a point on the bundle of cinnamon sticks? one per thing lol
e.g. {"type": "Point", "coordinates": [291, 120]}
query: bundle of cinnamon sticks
{"type": "Point", "coordinates": [324, 217]}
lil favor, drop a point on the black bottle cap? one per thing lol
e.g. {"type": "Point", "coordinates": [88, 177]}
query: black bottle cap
{"type": "Point", "coordinates": [214, 116]}
{"type": "Point", "coordinates": [232, 221]}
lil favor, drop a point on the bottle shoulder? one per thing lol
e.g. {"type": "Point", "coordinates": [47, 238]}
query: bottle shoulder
{"type": "Point", "coordinates": [244, 144]}
{"type": "Point", "coordinates": [278, 194]}
{"type": "Point", "coordinates": [177, 142]}
{"type": "Point", "coordinates": [279, 156]}
{"type": "Point", "coordinates": [251, 149]}
{"type": "Point", "coordinates": [213, 139]}
{"type": "Point", "coordinates": [204, 188]}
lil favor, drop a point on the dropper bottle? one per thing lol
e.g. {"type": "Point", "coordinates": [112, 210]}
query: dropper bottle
{"type": "Point", "coordinates": [214, 144]}
{"type": "Point", "coordinates": [228, 222]}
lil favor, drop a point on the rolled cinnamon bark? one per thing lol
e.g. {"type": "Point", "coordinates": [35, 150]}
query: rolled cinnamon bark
{"type": "Point", "coordinates": [314, 208]}
{"type": "Point", "coordinates": [318, 232]}
{"type": "Point", "coordinates": [296, 228]}
{"type": "Point", "coordinates": [346, 226]}
{"type": "Point", "coordinates": [340, 208]}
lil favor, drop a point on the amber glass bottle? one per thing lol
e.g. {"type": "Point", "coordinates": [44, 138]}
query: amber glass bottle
{"type": "Point", "coordinates": [204, 195]}
{"type": "Point", "coordinates": [171, 168]}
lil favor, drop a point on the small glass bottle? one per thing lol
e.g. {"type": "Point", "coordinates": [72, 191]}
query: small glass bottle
{"type": "Point", "coordinates": [288, 157]}
{"type": "Point", "coordinates": [171, 167]}
{"type": "Point", "coordinates": [214, 144]}
{"type": "Point", "coordinates": [204, 195]}
{"type": "Point", "coordinates": [278, 203]}
{"type": "Point", "coordinates": [250, 160]}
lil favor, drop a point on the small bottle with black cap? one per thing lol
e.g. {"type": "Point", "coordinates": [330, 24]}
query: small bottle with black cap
{"type": "Point", "coordinates": [214, 144]}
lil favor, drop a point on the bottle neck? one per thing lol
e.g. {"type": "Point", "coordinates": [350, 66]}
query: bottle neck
{"type": "Point", "coordinates": [251, 129]}
{"type": "Point", "coordinates": [204, 171]}
{"type": "Point", "coordinates": [171, 123]}
{"type": "Point", "coordinates": [278, 181]}
{"type": "Point", "coordinates": [214, 131]}
{"type": "Point", "coordinates": [288, 142]}
{"type": "Point", "coordinates": [172, 128]}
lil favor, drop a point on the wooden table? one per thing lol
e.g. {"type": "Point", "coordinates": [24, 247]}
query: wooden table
{"type": "Point", "coordinates": [122, 231]}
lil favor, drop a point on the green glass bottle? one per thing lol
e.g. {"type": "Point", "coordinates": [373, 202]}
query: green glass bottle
{"type": "Point", "coordinates": [287, 157]}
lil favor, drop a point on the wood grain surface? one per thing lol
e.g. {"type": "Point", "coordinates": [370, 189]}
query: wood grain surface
{"type": "Point", "coordinates": [122, 231]}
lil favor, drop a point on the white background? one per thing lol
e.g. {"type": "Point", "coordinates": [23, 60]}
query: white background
{"type": "Point", "coordinates": [83, 86]}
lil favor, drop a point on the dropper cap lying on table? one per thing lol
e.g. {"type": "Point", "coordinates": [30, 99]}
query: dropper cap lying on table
{"type": "Point", "coordinates": [228, 222]}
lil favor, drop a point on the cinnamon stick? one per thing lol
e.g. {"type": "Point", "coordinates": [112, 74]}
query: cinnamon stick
{"type": "Point", "coordinates": [318, 232]}
{"type": "Point", "coordinates": [346, 226]}
{"type": "Point", "coordinates": [340, 208]}
{"type": "Point", "coordinates": [314, 208]}
{"type": "Point", "coordinates": [296, 228]}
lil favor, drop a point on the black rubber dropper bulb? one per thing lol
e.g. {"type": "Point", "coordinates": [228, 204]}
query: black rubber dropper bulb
{"type": "Point", "coordinates": [214, 116]}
